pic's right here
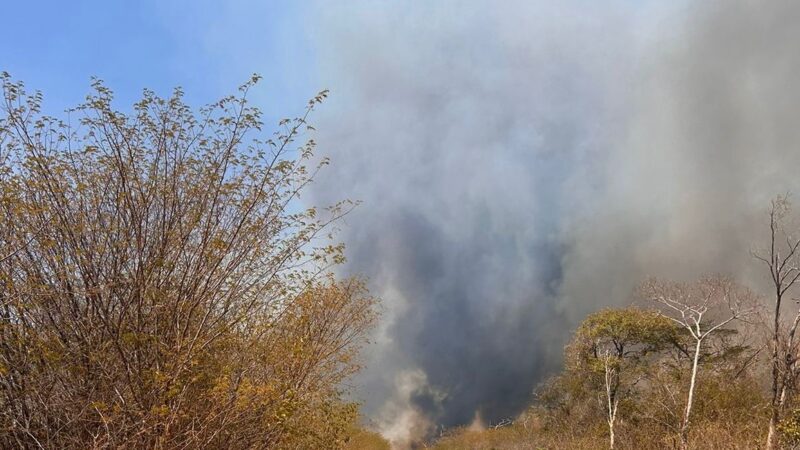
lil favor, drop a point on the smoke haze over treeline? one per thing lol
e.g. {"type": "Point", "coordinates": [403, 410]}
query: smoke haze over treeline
{"type": "Point", "coordinates": [523, 163]}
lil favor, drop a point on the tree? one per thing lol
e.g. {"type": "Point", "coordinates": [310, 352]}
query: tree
{"type": "Point", "coordinates": [781, 258]}
{"type": "Point", "coordinates": [612, 383]}
{"type": "Point", "coordinates": [610, 351]}
{"type": "Point", "coordinates": [160, 287]}
{"type": "Point", "coordinates": [702, 308]}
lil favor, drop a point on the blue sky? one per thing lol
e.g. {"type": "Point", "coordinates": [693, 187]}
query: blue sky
{"type": "Point", "coordinates": [208, 47]}
{"type": "Point", "coordinates": [205, 46]}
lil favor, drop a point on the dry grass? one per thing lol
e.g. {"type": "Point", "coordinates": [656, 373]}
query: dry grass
{"type": "Point", "coordinates": [366, 440]}
{"type": "Point", "coordinates": [709, 436]}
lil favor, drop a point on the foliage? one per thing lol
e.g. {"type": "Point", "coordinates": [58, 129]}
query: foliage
{"type": "Point", "coordinates": [360, 439]}
{"type": "Point", "coordinates": [789, 428]}
{"type": "Point", "coordinates": [160, 287]}
{"type": "Point", "coordinates": [632, 332]}
{"type": "Point", "coordinates": [650, 353]}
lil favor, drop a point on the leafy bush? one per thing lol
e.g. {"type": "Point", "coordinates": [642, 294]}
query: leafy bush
{"type": "Point", "coordinates": [160, 287]}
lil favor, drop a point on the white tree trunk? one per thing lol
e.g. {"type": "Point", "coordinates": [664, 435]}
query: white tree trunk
{"type": "Point", "coordinates": [690, 399]}
{"type": "Point", "coordinates": [611, 434]}
{"type": "Point", "coordinates": [612, 418]}
{"type": "Point", "coordinates": [612, 400]}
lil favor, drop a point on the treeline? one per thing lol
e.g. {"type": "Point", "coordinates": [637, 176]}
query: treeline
{"type": "Point", "coordinates": [678, 376]}
{"type": "Point", "coordinates": [705, 364]}
{"type": "Point", "coordinates": [160, 286]}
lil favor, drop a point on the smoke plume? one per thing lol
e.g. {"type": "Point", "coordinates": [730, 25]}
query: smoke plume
{"type": "Point", "coordinates": [524, 163]}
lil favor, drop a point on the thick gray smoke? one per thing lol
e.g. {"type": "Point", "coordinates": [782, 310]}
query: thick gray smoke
{"type": "Point", "coordinates": [523, 163]}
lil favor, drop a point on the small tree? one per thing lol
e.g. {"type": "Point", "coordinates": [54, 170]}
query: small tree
{"type": "Point", "coordinates": [702, 309]}
{"type": "Point", "coordinates": [782, 259]}
{"type": "Point", "coordinates": [610, 351]}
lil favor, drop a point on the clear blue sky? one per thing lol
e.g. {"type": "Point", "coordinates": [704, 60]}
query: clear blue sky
{"type": "Point", "coordinates": [207, 47]}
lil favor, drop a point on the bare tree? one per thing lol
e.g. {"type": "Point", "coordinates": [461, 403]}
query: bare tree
{"type": "Point", "coordinates": [701, 308]}
{"type": "Point", "coordinates": [781, 258]}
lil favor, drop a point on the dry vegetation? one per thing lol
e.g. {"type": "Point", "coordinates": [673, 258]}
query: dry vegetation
{"type": "Point", "coordinates": [646, 375]}
{"type": "Point", "coordinates": [697, 365]}
{"type": "Point", "coordinates": [518, 437]}
{"type": "Point", "coordinates": [160, 288]}
{"type": "Point", "coordinates": [682, 373]}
